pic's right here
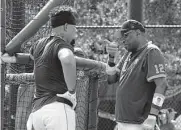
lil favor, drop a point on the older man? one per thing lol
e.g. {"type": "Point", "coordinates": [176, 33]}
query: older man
{"type": "Point", "coordinates": [142, 84]}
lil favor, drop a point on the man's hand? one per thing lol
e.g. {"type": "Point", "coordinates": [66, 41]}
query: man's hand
{"type": "Point", "coordinates": [111, 48]}
{"type": "Point", "coordinates": [149, 123]}
{"type": "Point", "coordinates": [111, 70]}
{"type": "Point", "coordinates": [7, 58]}
{"type": "Point", "coordinates": [70, 97]}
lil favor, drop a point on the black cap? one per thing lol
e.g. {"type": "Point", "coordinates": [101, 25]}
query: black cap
{"type": "Point", "coordinates": [131, 25]}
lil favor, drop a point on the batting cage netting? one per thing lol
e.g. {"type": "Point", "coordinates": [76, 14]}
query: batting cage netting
{"type": "Point", "coordinates": [96, 99]}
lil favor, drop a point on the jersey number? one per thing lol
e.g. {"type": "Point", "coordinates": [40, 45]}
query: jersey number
{"type": "Point", "coordinates": [159, 68]}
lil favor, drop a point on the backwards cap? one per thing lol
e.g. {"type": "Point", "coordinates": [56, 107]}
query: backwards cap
{"type": "Point", "coordinates": [62, 15]}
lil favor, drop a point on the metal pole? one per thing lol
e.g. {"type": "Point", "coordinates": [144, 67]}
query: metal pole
{"type": "Point", "coordinates": [3, 33]}
{"type": "Point", "coordinates": [135, 10]}
{"type": "Point", "coordinates": [17, 23]}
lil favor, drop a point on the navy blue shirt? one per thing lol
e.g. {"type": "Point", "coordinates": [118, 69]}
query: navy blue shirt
{"type": "Point", "coordinates": [49, 77]}
{"type": "Point", "coordinates": [136, 86]}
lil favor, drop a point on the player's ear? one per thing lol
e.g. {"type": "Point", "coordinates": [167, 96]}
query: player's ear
{"type": "Point", "coordinates": [65, 27]}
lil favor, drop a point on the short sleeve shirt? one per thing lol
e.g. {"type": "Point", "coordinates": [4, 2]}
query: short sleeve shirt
{"type": "Point", "coordinates": [156, 65]}
{"type": "Point", "coordinates": [136, 85]}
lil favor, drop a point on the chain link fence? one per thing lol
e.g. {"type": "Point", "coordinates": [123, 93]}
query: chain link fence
{"type": "Point", "coordinates": [93, 112]}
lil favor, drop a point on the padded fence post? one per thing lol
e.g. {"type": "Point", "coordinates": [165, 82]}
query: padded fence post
{"type": "Point", "coordinates": [82, 108]}
{"type": "Point", "coordinates": [135, 10]}
{"type": "Point", "coordinates": [93, 103]}
{"type": "Point", "coordinates": [17, 23]}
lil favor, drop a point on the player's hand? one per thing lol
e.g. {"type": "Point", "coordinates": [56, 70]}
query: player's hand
{"type": "Point", "coordinates": [149, 123]}
{"type": "Point", "coordinates": [111, 48]}
{"type": "Point", "coordinates": [70, 97]}
{"type": "Point", "coordinates": [7, 58]}
{"type": "Point", "coordinates": [112, 70]}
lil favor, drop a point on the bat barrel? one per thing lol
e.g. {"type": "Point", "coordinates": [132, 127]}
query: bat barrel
{"type": "Point", "coordinates": [31, 28]}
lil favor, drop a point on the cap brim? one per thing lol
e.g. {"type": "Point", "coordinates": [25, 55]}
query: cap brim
{"type": "Point", "coordinates": [119, 33]}
{"type": "Point", "coordinates": [124, 30]}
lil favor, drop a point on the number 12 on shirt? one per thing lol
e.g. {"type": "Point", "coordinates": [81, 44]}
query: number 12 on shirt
{"type": "Point", "coordinates": [159, 68]}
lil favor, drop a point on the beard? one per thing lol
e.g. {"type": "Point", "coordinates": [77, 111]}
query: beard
{"type": "Point", "coordinates": [72, 43]}
{"type": "Point", "coordinates": [132, 47]}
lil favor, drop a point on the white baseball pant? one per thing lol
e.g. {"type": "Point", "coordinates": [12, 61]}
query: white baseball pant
{"type": "Point", "coordinates": [54, 116]}
{"type": "Point", "coordinates": [127, 126]}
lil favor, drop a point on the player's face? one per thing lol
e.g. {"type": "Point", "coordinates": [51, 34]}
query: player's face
{"type": "Point", "coordinates": [70, 32]}
{"type": "Point", "coordinates": [130, 40]}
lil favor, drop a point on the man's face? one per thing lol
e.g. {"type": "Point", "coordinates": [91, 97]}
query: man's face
{"type": "Point", "coordinates": [128, 39]}
{"type": "Point", "coordinates": [72, 31]}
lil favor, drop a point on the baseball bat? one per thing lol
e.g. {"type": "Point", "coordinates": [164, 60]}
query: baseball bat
{"type": "Point", "coordinates": [157, 127]}
{"type": "Point", "coordinates": [31, 28]}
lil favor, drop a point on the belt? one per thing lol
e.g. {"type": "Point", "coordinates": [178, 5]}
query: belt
{"type": "Point", "coordinates": [64, 100]}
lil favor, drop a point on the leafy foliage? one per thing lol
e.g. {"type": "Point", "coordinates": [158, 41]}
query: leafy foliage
{"type": "Point", "coordinates": [156, 12]}
{"type": "Point", "coordinates": [114, 12]}
{"type": "Point", "coordinates": [166, 12]}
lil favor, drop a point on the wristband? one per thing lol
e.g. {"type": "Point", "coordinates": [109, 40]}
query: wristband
{"type": "Point", "coordinates": [158, 99]}
{"type": "Point", "coordinates": [111, 64]}
{"type": "Point", "coordinates": [154, 111]}
{"type": "Point", "coordinates": [157, 103]}
{"type": "Point", "coordinates": [71, 92]}
{"type": "Point", "coordinates": [110, 56]}
{"type": "Point", "coordinates": [111, 61]}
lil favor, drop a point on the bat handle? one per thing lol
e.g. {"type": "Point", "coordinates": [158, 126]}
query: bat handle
{"type": "Point", "coordinates": [157, 127]}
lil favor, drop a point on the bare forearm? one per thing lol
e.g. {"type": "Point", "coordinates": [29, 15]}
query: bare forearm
{"type": "Point", "coordinates": [159, 96]}
{"type": "Point", "coordinates": [161, 88]}
{"type": "Point", "coordinates": [69, 70]}
{"type": "Point", "coordinates": [88, 64]}
{"type": "Point", "coordinates": [93, 65]}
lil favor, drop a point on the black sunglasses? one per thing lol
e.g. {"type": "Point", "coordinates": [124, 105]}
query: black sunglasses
{"type": "Point", "coordinates": [125, 35]}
